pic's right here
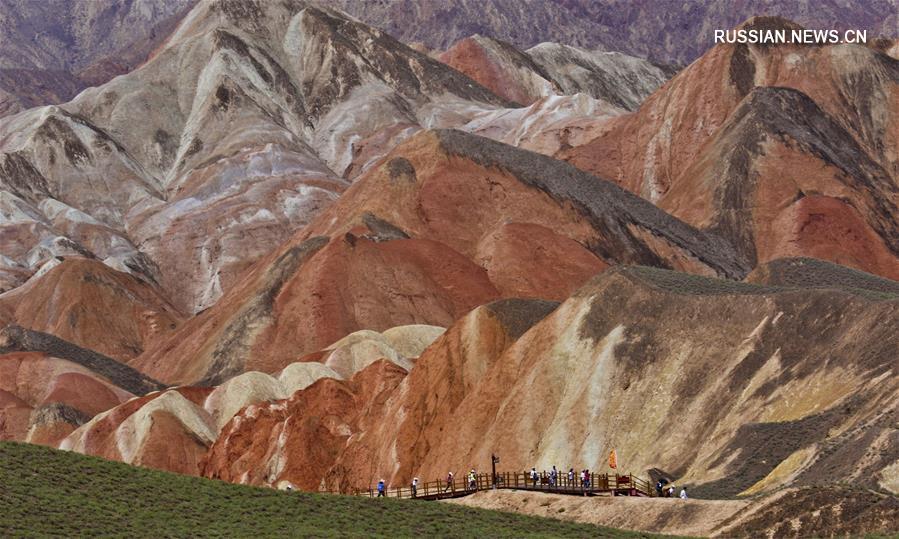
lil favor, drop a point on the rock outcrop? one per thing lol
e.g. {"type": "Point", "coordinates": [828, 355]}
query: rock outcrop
{"type": "Point", "coordinates": [793, 393]}
{"type": "Point", "coordinates": [622, 80]}
{"type": "Point", "coordinates": [298, 439]}
{"type": "Point", "coordinates": [52, 50]}
{"type": "Point", "coordinates": [192, 419]}
{"type": "Point", "coordinates": [507, 71]}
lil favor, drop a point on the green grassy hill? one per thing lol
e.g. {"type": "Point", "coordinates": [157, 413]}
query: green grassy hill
{"type": "Point", "coordinates": [48, 492]}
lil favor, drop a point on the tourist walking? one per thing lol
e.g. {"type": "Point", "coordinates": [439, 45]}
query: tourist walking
{"type": "Point", "coordinates": [449, 481]}
{"type": "Point", "coordinates": [414, 487]}
{"type": "Point", "coordinates": [534, 477]}
{"type": "Point", "coordinates": [381, 489]}
{"type": "Point", "coordinates": [683, 493]}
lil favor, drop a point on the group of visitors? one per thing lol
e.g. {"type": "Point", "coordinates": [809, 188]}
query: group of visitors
{"type": "Point", "coordinates": [470, 484]}
{"type": "Point", "coordinates": [666, 489]}
{"type": "Point", "coordinates": [554, 478]}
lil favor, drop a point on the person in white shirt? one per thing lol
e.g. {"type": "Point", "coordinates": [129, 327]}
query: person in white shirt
{"type": "Point", "coordinates": [683, 493]}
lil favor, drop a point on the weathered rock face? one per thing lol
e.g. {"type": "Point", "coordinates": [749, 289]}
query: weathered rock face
{"type": "Point", "coordinates": [49, 387]}
{"type": "Point", "coordinates": [622, 80]}
{"type": "Point", "coordinates": [555, 69]}
{"type": "Point", "coordinates": [784, 150]}
{"type": "Point", "coordinates": [448, 221]}
{"type": "Point", "coordinates": [14, 339]}
{"type": "Point", "coordinates": [93, 306]}
{"type": "Point", "coordinates": [548, 126]}
{"type": "Point", "coordinates": [168, 430]}
{"type": "Point", "coordinates": [425, 403]}
{"type": "Point", "coordinates": [418, 188]}
{"type": "Point", "coordinates": [311, 295]}
{"type": "Point", "coordinates": [298, 439]}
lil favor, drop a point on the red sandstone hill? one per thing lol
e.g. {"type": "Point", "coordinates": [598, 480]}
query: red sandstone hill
{"type": "Point", "coordinates": [802, 392]}
{"type": "Point", "coordinates": [49, 387]}
{"type": "Point", "coordinates": [524, 76]}
{"type": "Point", "coordinates": [89, 304]}
{"type": "Point", "coordinates": [446, 222]}
{"type": "Point", "coordinates": [784, 150]}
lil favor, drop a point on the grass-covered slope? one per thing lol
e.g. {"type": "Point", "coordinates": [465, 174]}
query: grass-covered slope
{"type": "Point", "coordinates": [48, 492]}
{"type": "Point", "coordinates": [781, 275]}
{"type": "Point", "coordinates": [813, 273]}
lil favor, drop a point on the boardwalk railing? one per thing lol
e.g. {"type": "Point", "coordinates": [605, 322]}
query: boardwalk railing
{"type": "Point", "coordinates": [596, 484]}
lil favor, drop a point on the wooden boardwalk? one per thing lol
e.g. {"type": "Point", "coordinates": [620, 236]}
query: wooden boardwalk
{"type": "Point", "coordinates": [598, 485]}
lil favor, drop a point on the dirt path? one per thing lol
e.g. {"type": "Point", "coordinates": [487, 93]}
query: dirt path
{"type": "Point", "coordinates": [659, 515]}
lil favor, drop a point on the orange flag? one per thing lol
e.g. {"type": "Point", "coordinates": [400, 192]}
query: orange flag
{"type": "Point", "coordinates": [613, 460]}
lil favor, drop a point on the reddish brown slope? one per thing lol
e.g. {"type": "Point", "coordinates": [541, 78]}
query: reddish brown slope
{"type": "Point", "coordinates": [458, 188]}
{"type": "Point", "coordinates": [313, 294]}
{"type": "Point", "coordinates": [720, 148]}
{"type": "Point", "coordinates": [48, 386]}
{"type": "Point", "coordinates": [788, 180]}
{"type": "Point", "coordinates": [796, 390]}
{"type": "Point", "coordinates": [735, 379]}
{"type": "Point", "coordinates": [501, 68]}
{"type": "Point", "coordinates": [94, 306]}
{"type": "Point", "coordinates": [172, 429]}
